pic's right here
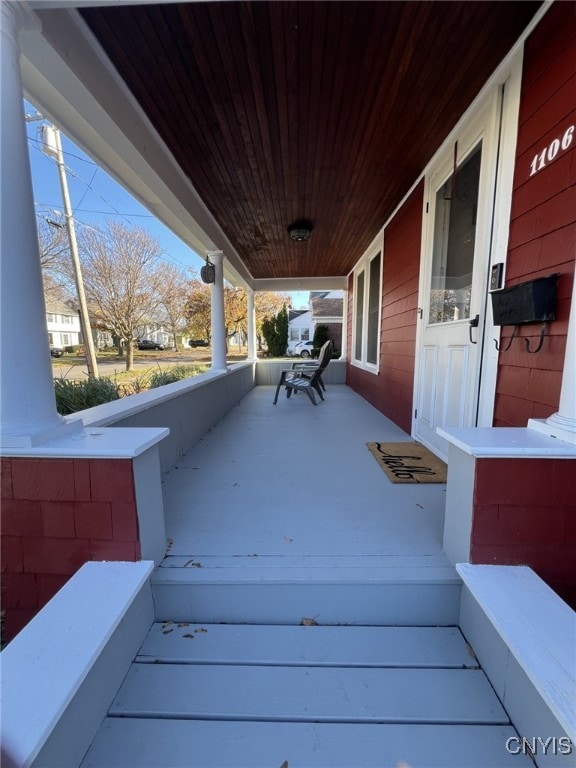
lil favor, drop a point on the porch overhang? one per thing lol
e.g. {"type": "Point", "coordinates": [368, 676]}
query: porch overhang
{"type": "Point", "coordinates": [244, 141]}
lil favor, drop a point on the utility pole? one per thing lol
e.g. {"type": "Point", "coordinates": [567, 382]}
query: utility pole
{"type": "Point", "coordinates": [53, 147]}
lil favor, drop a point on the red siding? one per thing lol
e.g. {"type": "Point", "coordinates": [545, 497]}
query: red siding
{"type": "Point", "coordinates": [56, 515]}
{"type": "Point", "coordinates": [543, 219]}
{"type": "Point", "coordinates": [524, 514]}
{"type": "Point", "coordinates": [392, 390]}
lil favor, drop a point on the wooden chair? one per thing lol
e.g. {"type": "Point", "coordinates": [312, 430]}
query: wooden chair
{"type": "Point", "coordinates": [306, 377]}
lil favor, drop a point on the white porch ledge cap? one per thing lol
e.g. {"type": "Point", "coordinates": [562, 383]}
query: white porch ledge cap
{"type": "Point", "coordinates": [45, 664]}
{"type": "Point", "coordinates": [125, 407]}
{"type": "Point", "coordinates": [96, 443]}
{"type": "Point", "coordinates": [538, 627]}
{"type": "Point", "coordinates": [507, 442]}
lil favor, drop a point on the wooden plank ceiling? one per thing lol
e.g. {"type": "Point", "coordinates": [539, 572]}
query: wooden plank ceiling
{"type": "Point", "coordinates": [326, 111]}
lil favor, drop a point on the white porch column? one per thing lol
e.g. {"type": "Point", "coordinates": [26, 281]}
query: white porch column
{"type": "Point", "coordinates": [251, 325]}
{"type": "Point", "coordinates": [217, 308]}
{"type": "Point", "coordinates": [27, 402]}
{"type": "Point", "coordinates": [562, 424]}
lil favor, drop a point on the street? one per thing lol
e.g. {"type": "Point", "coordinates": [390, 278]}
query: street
{"type": "Point", "coordinates": [75, 368]}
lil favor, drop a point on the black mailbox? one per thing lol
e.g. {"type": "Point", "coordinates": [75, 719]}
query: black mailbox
{"type": "Point", "coordinates": [530, 302]}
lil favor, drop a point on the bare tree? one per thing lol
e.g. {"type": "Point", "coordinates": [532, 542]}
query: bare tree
{"type": "Point", "coordinates": [235, 312]}
{"type": "Point", "coordinates": [198, 312]}
{"type": "Point", "coordinates": [55, 261]}
{"type": "Point", "coordinates": [266, 304]}
{"type": "Point", "coordinates": [174, 296]}
{"type": "Point", "coordinates": [121, 278]}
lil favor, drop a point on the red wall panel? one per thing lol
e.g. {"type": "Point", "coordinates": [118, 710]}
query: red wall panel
{"type": "Point", "coordinates": [543, 218]}
{"type": "Point", "coordinates": [56, 515]}
{"type": "Point", "coordinates": [524, 513]}
{"type": "Point", "coordinates": [392, 390]}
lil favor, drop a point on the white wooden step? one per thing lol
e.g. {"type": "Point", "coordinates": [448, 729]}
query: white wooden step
{"type": "Point", "coordinates": [408, 595]}
{"type": "Point", "coordinates": [128, 743]}
{"type": "Point", "coordinates": [308, 694]}
{"type": "Point", "coordinates": [185, 643]}
{"type": "Point", "coordinates": [434, 565]}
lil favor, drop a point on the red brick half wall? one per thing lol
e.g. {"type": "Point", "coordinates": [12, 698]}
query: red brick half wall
{"type": "Point", "coordinates": [57, 514]}
{"type": "Point", "coordinates": [524, 513]}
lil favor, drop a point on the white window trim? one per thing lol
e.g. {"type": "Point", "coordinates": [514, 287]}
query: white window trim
{"type": "Point", "coordinates": [377, 248]}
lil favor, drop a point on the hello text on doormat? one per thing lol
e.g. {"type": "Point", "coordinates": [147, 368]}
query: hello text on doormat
{"type": "Point", "coordinates": [409, 462]}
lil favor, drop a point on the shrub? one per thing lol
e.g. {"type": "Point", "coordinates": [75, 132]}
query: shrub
{"type": "Point", "coordinates": [321, 336]}
{"type": "Point", "coordinates": [73, 396]}
{"type": "Point", "coordinates": [137, 384]}
{"type": "Point", "coordinates": [275, 331]}
{"type": "Point", "coordinates": [159, 378]}
{"type": "Point", "coordinates": [177, 373]}
{"type": "Point", "coordinates": [73, 349]}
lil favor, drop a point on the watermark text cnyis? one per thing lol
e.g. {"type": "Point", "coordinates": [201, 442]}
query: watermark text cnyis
{"type": "Point", "coordinates": [539, 745]}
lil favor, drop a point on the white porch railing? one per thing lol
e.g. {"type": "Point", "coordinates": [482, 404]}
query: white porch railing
{"type": "Point", "coordinates": [189, 408]}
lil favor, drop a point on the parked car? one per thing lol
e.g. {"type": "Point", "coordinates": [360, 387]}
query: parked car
{"type": "Point", "coordinates": [198, 343]}
{"type": "Point", "coordinates": [291, 348]}
{"type": "Point", "coordinates": [295, 348]}
{"type": "Point", "coordinates": [56, 351]}
{"type": "Point", "coordinates": [306, 349]}
{"type": "Point", "coordinates": [149, 344]}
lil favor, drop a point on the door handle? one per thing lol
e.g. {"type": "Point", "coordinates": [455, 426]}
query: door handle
{"type": "Point", "coordinates": [474, 323]}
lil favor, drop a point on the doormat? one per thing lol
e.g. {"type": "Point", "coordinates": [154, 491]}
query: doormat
{"type": "Point", "coordinates": [409, 462]}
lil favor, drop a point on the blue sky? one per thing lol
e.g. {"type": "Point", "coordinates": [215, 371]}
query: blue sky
{"type": "Point", "coordinates": [96, 198]}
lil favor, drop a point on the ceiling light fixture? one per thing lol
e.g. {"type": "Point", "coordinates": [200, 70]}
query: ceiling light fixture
{"type": "Point", "coordinates": [300, 231]}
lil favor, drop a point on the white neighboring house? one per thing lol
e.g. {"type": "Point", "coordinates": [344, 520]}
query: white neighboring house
{"type": "Point", "coordinates": [328, 309]}
{"type": "Point", "coordinates": [300, 328]}
{"type": "Point", "coordinates": [63, 324]}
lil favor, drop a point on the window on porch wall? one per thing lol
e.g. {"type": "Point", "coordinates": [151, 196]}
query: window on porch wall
{"type": "Point", "coordinates": [359, 295]}
{"type": "Point", "coordinates": [373, 311]}
{"type": "Point", "coordinates": [367, 312]}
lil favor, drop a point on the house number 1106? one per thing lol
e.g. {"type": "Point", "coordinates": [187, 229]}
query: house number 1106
{"type": "Point", "coordinates": [550, 152]}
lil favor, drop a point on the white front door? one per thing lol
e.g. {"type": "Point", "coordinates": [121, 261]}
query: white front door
{"type": "Point", "coordinates": [458, 223]}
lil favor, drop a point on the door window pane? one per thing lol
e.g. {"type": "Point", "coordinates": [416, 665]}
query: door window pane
{"type": "Point", "coordinates": [454, 237]}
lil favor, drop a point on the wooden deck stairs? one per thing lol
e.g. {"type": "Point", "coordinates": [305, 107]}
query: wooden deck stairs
{"type": "Point", "coordinates": [220, 685]}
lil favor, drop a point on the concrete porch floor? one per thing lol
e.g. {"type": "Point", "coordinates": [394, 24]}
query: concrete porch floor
{"type": "Point", "coordinates": [293, 485]}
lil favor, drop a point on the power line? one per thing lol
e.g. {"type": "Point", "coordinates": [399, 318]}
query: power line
{"type": "Point", "coordinates": [66, 154]}
{"type": "Point", "coordinates": [87, 188]}
{"type": "Point", "coordinates": [165, 256]}
{"type": "Point", "coordinates": [115, 212]}
{"type": "Point", "coordinates": [118, 213]}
